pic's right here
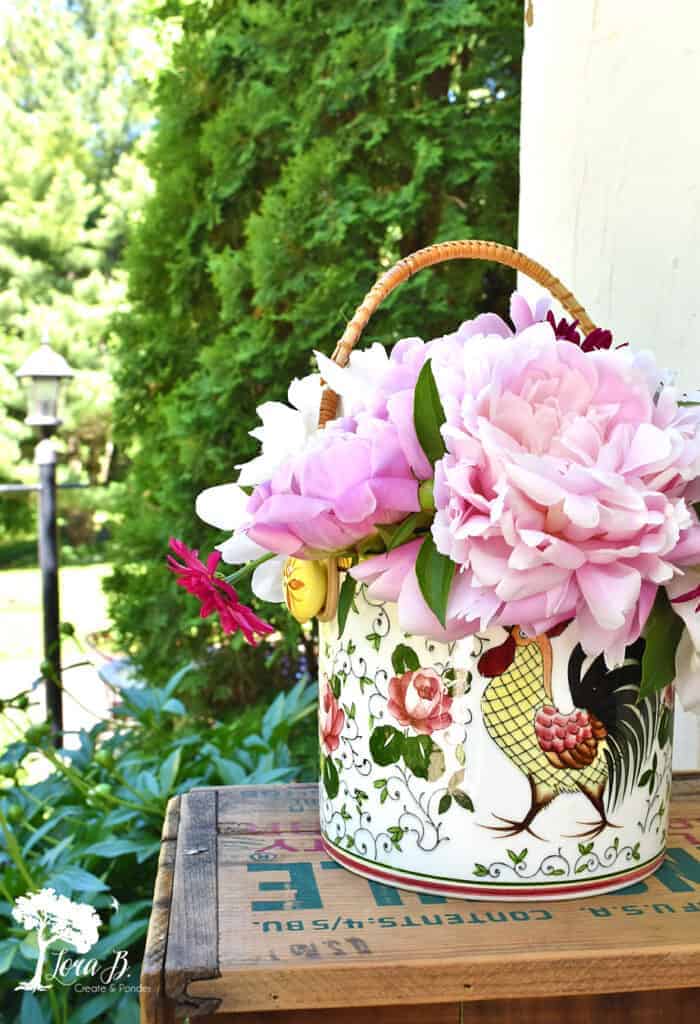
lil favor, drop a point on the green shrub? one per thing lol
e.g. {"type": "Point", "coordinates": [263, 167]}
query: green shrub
{"type": "Point", "coordinates": [300, 148]}
{"type": "Point", "coordinates": [91, 829]}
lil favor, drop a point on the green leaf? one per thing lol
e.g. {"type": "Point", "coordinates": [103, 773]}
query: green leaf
{"type": "Point", "coordinates": [331, 781]}
{"type": "Point", "coordinates": [405, 531]}
{"type": "Point", "coordinates": [416, 754]}
{"type": "Point", "coordinates": [78, 880]}
{"type": "Point", "coordinates": [335, 685]}
{"type": "Point", "coordinates": [117, 847]}
{"type": "Point", "coordinates": [662, 635]}
{"type": "Point", "coordinates": [404, 659]}
{"type": "Point", "coordinates": [386, 745]}
{"type": "Point", "coordinates": [345, 599]}
{"type": "Point", "coordinates": [445, 803]}
{"type": "Point", "coordinates": [92, 1009]}
{"type": "Point", "coordinates": [32, 1011]}
{"type": "Point", "coordinates": [122, 938]}
{"type": "Point", "coordinates": [167, 774]}
{"type": "Point", "coordinates": [480, 870]}
{"type": "Point", "coordinates": [463, 800]}
{"type": "Point", "coordinates": [644, 778]}
{"type": "Point", "coordinates": [435, 573]}
{"type": "Point", "coordinates": [7, 955]}
{"type": "Point", "coordinates": [428, 415]}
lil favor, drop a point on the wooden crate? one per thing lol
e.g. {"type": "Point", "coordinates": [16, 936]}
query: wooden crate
{"type": "Point", "coordinates": [252, 923]}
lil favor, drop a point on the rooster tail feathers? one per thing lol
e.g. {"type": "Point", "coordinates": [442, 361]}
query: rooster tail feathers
{"type": "Point", "coordinates": [612, 695]}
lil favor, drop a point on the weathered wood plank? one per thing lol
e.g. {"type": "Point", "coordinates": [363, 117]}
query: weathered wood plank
{"type": "Point", "coordinates": [680, 1005]}
{"type": "Point", "coordinates": [192, 947]}
{"type": "Point", "coordinates": [154, 1009]}
{"type": "Point", "coordinates": [254, 809]}
{"type": "Point", "coordinates": [686, 785]}
{"type": "Point", "coordinates": [445, 1013]}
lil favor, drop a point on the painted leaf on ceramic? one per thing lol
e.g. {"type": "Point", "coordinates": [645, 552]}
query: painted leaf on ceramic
{"type": "Point", "coordinates": [461, 798]}
{"type": "Point", "coordinates": [665, 727]}
{"type": "Point", "coordinates": [662, 634]}
{"type": "Point", "coordinates": [417, 751]}
{"type": "Point", "coordinates": [331, 781]}
{"type": "Point", "coordinates": [404, 659]}
{"type": "Point", "coordinates": [434, 573]}
{"type": "Point", "coordinates": [345, 599]}
{"type": "Point", "coordinates": [386, 745]}
{"type": "Point", "coordinates": [428, 415]}
{"type": "Point", "coordinates": [436, 766]}
{"type": "Point", "coordinates": [445, 803]}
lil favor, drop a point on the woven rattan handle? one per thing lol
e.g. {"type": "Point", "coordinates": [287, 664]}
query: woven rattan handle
{"type": "Point", "coordinates": [468, 249]}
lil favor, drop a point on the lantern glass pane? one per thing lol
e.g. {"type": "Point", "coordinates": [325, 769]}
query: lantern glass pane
{"type": "Point", "coordinates": [43, 400]}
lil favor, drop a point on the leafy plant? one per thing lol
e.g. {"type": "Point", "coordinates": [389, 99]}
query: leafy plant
{"type": "Point", "coordinates": [90, 829]}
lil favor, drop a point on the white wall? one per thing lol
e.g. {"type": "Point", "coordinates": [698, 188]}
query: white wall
{"type": "Point", "coordinates": [610, 177]}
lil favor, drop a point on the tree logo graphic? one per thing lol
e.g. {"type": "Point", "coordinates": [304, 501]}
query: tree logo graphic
{"type": "Point", "coordinates": [55, 919]}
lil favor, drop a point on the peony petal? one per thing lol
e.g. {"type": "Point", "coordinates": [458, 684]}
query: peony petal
{"type": "Point", "coordinates": [610, 591]}
{"type": "Point", "coordinates": [239, 549]}
{"type": "Point", "coordinates": [687, 681]}
{"type": "Point", "coordinates": [267, 581]}
{"type": "Point", "coordinates": [223, 507]}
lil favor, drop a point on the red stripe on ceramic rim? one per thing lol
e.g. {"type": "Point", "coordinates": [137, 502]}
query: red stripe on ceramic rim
{"type": "Point", "coordinates": [367, 868]}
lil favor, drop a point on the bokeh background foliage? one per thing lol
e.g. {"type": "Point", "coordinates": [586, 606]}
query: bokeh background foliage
{"type": "Point", "coordinates": [300, 147]}
{"type": "Point", "coordinates": [75, 85]}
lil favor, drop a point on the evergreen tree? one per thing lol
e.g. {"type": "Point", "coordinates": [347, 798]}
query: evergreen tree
{"type": "Point", "coordinates": [74, 105]}
{"type": "Point", "coordinates": [301, 147]}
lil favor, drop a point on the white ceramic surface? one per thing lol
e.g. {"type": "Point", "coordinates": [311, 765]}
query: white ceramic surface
{"type": "Point", "coordinates": [469, 804]}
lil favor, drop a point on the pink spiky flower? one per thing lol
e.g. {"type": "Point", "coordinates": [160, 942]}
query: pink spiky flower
{"type": "Point", "coordinates": [214, 593]}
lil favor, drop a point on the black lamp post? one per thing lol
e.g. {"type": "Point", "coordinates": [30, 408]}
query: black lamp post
{"type": "Point", "coordinates": [44, 371]}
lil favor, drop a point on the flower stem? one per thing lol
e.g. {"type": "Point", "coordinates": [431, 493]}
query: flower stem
{"type": "Point", "coordinates": [248, 569]}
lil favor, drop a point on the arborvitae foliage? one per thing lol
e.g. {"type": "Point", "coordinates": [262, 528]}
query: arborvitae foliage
{"type": "Point", "coordinates": [301, 147]}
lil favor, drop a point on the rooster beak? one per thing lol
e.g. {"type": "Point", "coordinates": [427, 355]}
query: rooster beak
{"type": "Point", "coordinates": [497, 660]}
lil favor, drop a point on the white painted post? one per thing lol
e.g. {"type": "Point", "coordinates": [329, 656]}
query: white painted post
{"type": "Point", "coordinates": [610, 177]}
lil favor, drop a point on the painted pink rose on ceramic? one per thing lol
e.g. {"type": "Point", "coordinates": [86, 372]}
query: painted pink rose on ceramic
{"type": "Point", "coordinates": [331, 719]}
{"type": "Point", "coordinates": [419, 699]}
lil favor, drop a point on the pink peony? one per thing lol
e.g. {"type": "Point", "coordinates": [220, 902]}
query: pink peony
{"type": "Point", "coordinates": [331, 719]}
{"type": "Point", "coordinates": [566, 489]}
{"type": "Point", "coordinates": [352, 476]}
{"type": "Point", "coordinates": [419, 699]}
{"type": "Point", "coordinates": [214, 593]}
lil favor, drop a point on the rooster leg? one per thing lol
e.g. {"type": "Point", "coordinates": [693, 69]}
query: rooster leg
{"type": "Point", "coordinates": [594, 792]}
{"type": "Point", "coordinates": [540, 796]}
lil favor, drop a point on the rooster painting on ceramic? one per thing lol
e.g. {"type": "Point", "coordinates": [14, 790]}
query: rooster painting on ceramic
{"type": "Point", "coordinates": [561, 753]}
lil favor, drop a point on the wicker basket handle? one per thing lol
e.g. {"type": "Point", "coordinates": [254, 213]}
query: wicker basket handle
{"type": "Point", "coordinates": [467, 249]}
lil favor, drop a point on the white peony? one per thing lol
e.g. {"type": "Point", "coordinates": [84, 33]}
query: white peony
{"type": "Point", "coordinates": [355, 382]}
{"type": "Point", "coordinates": [284, 431]}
